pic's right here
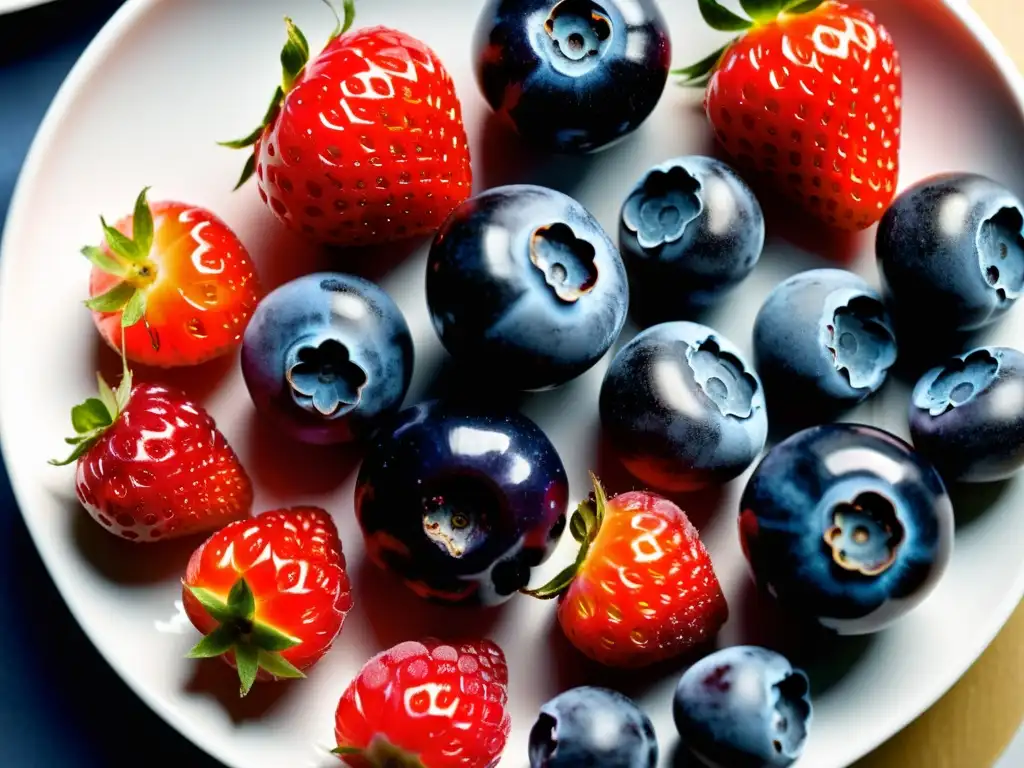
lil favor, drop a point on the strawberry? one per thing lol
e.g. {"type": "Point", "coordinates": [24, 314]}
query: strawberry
{"type": "Point", "coordinates": [428, 705]}
{"type": "Point", "coordinates": [269, 594]}
{"type": "Point", "coordinates": [180, 271]}
{"type": "Point", "coordinates": [808, 98]}
{"type": "Point", "coordinates": [642, 588]}
{"type": "Point", "coordinates": [363, 144]}
{"type": "Point", "coordinates": [151, 464]}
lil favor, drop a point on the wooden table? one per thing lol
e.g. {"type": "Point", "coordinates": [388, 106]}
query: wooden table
{"type": "Point", "coordinates": [971, 726]}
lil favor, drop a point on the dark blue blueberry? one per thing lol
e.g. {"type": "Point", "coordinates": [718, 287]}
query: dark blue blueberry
{"type": "Point", "coordinates": [743, 707]}
{"type": "Point", "coordinates": [682, 408]}
{"type": "Point", "coordinates": [327, 357]}
{"type": "Point", "coordinates": [690, 230]}
{"type": "Point", "coordinates": [967, 416]}
{"type": "Point", "coordinates": [951, 250]}
{"type": "Point", "coordinates": [591, 727]}
{"type": "Point", "coordinates": [524, 284]}
{"type": "Point", "coordinates": [846, 526]}
{"type": "Point", "coordinates": [572, 75]}
{"type": "Point", "coordinates": [823, 341]}
{"type": "Point", "coordinates": [460, 503]}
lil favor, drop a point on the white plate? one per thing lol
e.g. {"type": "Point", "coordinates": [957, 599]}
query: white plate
{"type": "Point", "coordinates": [145, 105]}
{"type": "Point", "coordinates": [10, 6]}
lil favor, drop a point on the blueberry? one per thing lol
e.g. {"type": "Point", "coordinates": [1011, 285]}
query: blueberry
{"type": "Point", "coordinates": [572, 76]}
{"type": "Point", "coordinates": [524, 284]}
{"type": "Point", "coordinates": [591, 727]}
{"type": "Point", "coordinates": [967, 416]}
{"type": "Point", "coordinates": [951, 249]}
{"type": "Point", "coordinates": [846, 526]}
{"type": "Point", "coordinates": [689, 231]}
{"type": "Point", "coordinates": [823, 341]}
{"type": "Point", "coordinates": [461, 503]}
{"type": "Point", "coordinates": [682, 408]}
{"type": "Point", "coordinates": [327, 357]}
{"type": "Point", "coordinates": [743, 707]}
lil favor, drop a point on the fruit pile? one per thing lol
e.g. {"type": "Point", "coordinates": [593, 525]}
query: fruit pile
{"type": "Point", "coordinates": [845, 526]}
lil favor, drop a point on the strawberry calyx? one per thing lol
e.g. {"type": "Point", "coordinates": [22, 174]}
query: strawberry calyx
{"type": "Point", "coordinates": [721, 19]}
{"type": "Point", "coordinates": [129, 260]}
{"type": "Point", "coordinates": [294, 57]}
{"type": "Point", "coordinates": [380, 754]}
{"type": "Point", "coordinates": [584, 525]}
{"type": "Point", "coordinates": [96, 415]}
{"type": "Point", "coordinates": [255, 645]}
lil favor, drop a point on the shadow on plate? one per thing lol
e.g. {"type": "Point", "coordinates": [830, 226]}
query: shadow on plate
{"type": "Point", "coordinates": [396, 614]}
{"type": "Point", "coordinates": [215, 679]}
{"type": "Point", "coordinates": [972, 501]}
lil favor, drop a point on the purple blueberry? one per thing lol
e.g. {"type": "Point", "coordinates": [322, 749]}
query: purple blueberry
{"type": "Point", "coordinates": [967, 416]}
{"type": "Point", "coordinates": [326, 357]}
{"type": "Point", "coordinates": [690, 230]}
{"type": "Point", "coordinates": [461, 503]}
{"type": "Point", "coordinates": [951, 250]}
{"type": "Point", "coordinates": [572, 76]}
{"type": "Point", "coordinates": [846, 526]}
{"type": "Point", "coordinates": [682, 408]}
{"type": "Point", "coordinates": [743, 707]}
{"type": "Point", "coordinates": [823, 341]}
{"type": "Point", "coordinates": [524, 285]}
{"type": "Point", "coordinates": [591, 727]}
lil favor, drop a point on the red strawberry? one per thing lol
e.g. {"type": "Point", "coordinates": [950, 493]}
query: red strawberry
{"type": "Point", "coordinates": [809, 98]}
{"type": "Point", "coordinates": [642, 588]}
{"type": "Point", "coordinates": [153, 465]}
{"type": "Point", "coordinates": [365, 143]}
{"type": "Point", "coordinates": [180, 271]}
{"type": "Point", "coordinates": [426, 704]}
{"type": "Point", "coordinates": [270, 594]}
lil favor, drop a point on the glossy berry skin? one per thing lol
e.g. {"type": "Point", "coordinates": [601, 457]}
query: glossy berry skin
{"type": "Point", "coordinates": [645, 590]}
{"type": "Point", "coordinates": [812, 103]}
{"type": "Point", "coordinates": [161, 470]}
{"type": "Point", "coordinates": [690, 230]}
{"type": "Point", "coordinates": [572, 76]}
{"type": "Point", "coordinates": [590, 727]}
{"type": "Point", "coordinates": [847, 527]}
{"type": "Point", "coordinates": [682, 408]}
{"type": "Point", "coordinates": [967, 415]}
{"type": "Point", "coordinates": [293, 564]}
{"type": "Point", "coordinates": [823, 341]}
{"type": "Point", "coordinates": [199, 284]}
{"type": "Point", "coordinates": [743, 707]}
{"type": "Point", "coordinates": [367, 145]}
{"type": "Point", "coordinates": [461, 503]}
{"type": "Point", "coordinates": [327, 357]}
{"type": "Point", "coordinates": [951, 252]}
{"type": "Point", "coordinates": [523, 283]}
{"type": "Point", "coordinates": [427, 705]}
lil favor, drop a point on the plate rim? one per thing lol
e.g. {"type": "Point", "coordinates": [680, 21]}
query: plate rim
{"type": "Point", "coordinates": [120, 23]}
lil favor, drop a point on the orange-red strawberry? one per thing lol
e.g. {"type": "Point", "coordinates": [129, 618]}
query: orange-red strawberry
{"type": "Point", "coordinates": [643, 588]}
{"type": "Point", "coordinates": [428, 705]}
{"type": "Point", "coordinates": [176, 280]}
{"type": "Point", "coordinates": [808, 98]}
{"type": "Point", "coordinates": [152, 465]}
{"type": "Point", "coordinates": [364, 143]}
{"type": "Point", "coordinates": [269, 594]}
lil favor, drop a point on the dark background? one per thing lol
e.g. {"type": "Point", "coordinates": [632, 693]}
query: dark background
{"type": "Point", "coordinates": [60, 703]}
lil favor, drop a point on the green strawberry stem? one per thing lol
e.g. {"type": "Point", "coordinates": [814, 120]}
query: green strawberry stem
{"type": "Point", "coordinates": [381, 752]}
{"type": "Point", "coordinates": [130, 260]}
{"type": "Point", "coordinates": [721, 19]}
{"type": "Point", "coordinates": [97, 414]}
{"type": "Point", "coordinates": [255, 645]}
{"type": "Point", "coordinates": [294, 57]}
{"type": "Point", "coordinates": [584, 525]}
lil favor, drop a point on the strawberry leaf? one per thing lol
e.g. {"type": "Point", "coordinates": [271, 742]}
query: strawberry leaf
{"type": "Point", "coordinates": [100, 258]}
{"type": "Point", "coordinates": [721, 18]}
{"type": "Point", "coordinates": [294, 55]}
{"type": "Point", "coordinates": [278, 665]}
{"type": "Point", "coordinates": [247, 141]}
{"type": "Point", "coordinates": [698, 74]}
{"type": "Point", "coordinates": [113, 300]}
{"type": "Point", "coordinates": [267, 638]}
{"type": "Point", "coordinates": [124, 389]}
{"type": "Point", "coordinates": [578, 527]}
{"type": "Point", "coordinates": [247, 172]}
{"type": "Point", "coordinates": [134, 309]}
{"type": "Point", "coordinates": [344, 19]}
{"type": "Point", "coordinates": [142, 225]}
{"type": "Point", "coordinates": [214, 605]}
{"type": "Point", "coordinates": [556, 586]}
{"type": "Point", "coordinates": [600, 504]}
{"type": "Point", "coordinates": [248, 664]}
{"type": "Point", "coordinates": [762, 10]}
{"type": "Point", "coordinates": [89, 416]}
{"type": "Point", "coordinates": [215, 644]}
{"type": "Point", "coordinates": [346, 751]}
{"type": "Point", "coordinates": [801, 6]}
{"type": "Point", "coordinates": [241, 602]}
{"type": "Point", "coordinates": [107, 396]}
{"type": "Point", "coordinates": [120, 243]}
